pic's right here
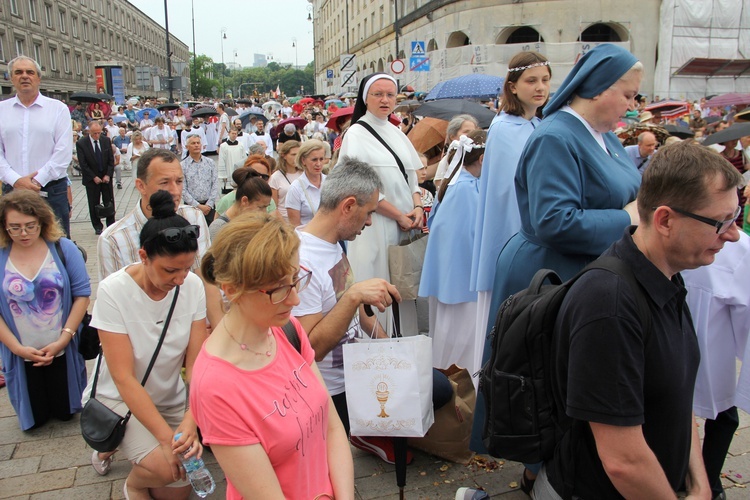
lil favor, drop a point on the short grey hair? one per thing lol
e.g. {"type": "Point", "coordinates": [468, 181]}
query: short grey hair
{"type": "Point", "coordinates": [457, 122]}
{"type": "Point", "coordinates": [351, 177]}
{"type": "Point", "coordinates": [24, 58]}
{"type": "Point", "coordinates": [190, 136]}
{"type": "Point", "coordinates": [257, 149]}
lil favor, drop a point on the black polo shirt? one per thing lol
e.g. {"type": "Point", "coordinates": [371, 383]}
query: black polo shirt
{"type": "Point", "coordinates": [609, 371]}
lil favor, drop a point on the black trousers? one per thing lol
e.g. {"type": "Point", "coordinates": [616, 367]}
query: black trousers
{"type": "Point", "coordinates": [48, 391]}
{"type": "Point", "coordinates": [99, 193]}
{"type": "Point", "coordinates": [718, 438]}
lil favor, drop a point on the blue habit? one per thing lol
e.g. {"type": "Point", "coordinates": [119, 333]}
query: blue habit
{"type": "Point", "coordinates": [75, 284]}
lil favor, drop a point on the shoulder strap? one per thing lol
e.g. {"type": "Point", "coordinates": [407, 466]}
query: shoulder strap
{"type": "Point", "coordinates": [60, 253]}
{"type": "Point", "coordinates": [380, 139]}
{"type": "Point", "coordinates": [292, 336]}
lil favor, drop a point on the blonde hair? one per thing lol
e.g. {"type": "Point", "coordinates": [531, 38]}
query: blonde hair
{"type": "Point", "coordinates": [253, 250]}
{"type": "Point", "coordinates": [306, 149]}
{"type": "Point", "coordinates": [31, 204]}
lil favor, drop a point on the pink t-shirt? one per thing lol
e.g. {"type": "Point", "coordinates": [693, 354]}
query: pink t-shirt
{"type": "Point", "coordinates": [283, 406]}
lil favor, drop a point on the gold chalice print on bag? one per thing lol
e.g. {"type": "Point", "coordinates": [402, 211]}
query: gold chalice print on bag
{"type": "Point", "coordinates": [382, 394]}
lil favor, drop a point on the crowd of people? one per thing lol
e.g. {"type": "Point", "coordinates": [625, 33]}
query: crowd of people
{"type": "Point", "coordinates": [275, 224]}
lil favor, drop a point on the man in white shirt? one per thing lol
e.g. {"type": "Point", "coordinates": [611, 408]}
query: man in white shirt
{"type": "Point", "coordinates": [262, 135]}
{"type": "Point", "coordinates": [35, 140]}
{"type": "Point", "coordinates": [223, 126]}
{"type": "Point", "coordinates": [159, 136]}
{"type": "Point", "coordinates": [112, 129]}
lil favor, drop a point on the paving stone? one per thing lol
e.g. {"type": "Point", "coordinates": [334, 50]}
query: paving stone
{"type": "Point", "coordinates": [19, 467]}
{"type": "Point", "coordinates": [740, 442]}
{"type": "Point", "coordinates": [10, 432]}
{"type": "Point", "coordinates": [73, 447]}
{"type": "Point", "coordinates": [86, 474]}
{"type": "Point", "coordinates": [6, 451]}
{"type": "Point", "coordinates": [737, 469]}
{"type": "Point", "coordinates": [36, 483]}
{"type": "Point", "coordinates": [90, 492]}
{"type": "Point", "coordinates": [737, 493]}
{"type": "Point", "coordinates": [64, 429]}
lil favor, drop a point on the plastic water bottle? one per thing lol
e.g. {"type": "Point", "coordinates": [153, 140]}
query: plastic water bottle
{"type": "Point", "coordinates": [200, 477]}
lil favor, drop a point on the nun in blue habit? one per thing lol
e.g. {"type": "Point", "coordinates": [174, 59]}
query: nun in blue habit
{"type": "Point", "coordinates": [447, 262]}
{"type": "Point", "coordinates": [574, 184]}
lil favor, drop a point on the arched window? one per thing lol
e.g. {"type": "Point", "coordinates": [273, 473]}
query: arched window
{"type": "Point", "coordinates": [380, 65]}
{"type": "Point", "coordinates": [601, 32]}
{"type": "Point", "coordinates": [457, 39]}
{"type": "Point", "coordinates": [524, 34]}
{"type": "Point", "coordinates": [432, 45]}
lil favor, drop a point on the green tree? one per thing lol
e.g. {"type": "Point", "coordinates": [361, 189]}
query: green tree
{"type": "Point", "coordinates": [203, 75]}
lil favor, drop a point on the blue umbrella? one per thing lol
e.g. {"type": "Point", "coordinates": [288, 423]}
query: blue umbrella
{"type": "Point", "coordinates": [337, 102]}
{"type": "Point", "coordinates": [152, 113]}
{"type": "Point", "coordinates": [474, 86]}
{"type": "Point", "coordinates": [119, 119]}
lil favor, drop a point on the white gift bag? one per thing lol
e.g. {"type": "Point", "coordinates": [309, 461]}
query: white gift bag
{"type": "Point", "coordinates": [389, 386]}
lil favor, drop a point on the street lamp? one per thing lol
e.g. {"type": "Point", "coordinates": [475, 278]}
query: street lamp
{"type": "Point", "coordinates": [296, 62]}
{"type": "Point", "coordinates": [223, 37]}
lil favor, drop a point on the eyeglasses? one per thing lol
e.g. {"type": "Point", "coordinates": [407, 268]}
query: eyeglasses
{"type": "Point", "coordinates": [175, 234]}
{"type": "Point", "coordinates": [30, 228]}
{"type": "Point", "coordinates": [281, 293]}
{"type": "Point", "coordinates": [380, 95]}
{"type": "Point", "coordinates": [722, 226]}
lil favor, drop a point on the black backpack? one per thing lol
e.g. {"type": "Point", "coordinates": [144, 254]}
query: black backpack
{"type": "Point", "coordinates": [525, 418]}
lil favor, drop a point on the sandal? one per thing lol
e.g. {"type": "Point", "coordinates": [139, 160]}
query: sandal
{"type": "Point", "coordinates": [527, 484]}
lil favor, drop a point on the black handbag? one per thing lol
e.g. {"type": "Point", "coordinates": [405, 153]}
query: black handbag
{"type": "Point", "coordinates": [104, 211]}
{"type": "Point", "coordinates": [101, 428]}
{"type": "Point", "coordinates": [88, 339]}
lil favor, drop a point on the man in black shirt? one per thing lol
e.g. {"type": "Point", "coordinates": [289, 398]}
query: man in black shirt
{"type": "Point", "coordinates": [628, 387]}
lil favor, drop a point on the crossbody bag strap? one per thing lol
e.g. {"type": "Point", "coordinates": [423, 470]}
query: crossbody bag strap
{"type": "Point", "coordinates": [380, 139]}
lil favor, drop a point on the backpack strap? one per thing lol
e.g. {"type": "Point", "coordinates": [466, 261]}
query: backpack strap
{"type": "Point", "coordinates": [369, 128]}
{"type": "Point", "coordinates": [292, 336]}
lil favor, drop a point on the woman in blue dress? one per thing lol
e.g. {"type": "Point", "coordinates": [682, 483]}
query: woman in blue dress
{"type": "Point", "coordinates": [445, 276]}
{"type": "Point", "coordinates": [575, 187]}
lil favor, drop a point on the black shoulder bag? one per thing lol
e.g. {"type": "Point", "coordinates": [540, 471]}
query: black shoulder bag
{"type": "Point", "coordinates": [380, 139]}
{"type": "Point", "coordinates": [101, 428]}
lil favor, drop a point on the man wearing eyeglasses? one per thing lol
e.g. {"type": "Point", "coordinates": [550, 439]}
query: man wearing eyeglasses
{"type": "Point", "coordinates": [628, 385]}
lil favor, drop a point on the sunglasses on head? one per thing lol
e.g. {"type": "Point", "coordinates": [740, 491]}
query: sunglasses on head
{"type": "Point", "coordinates": [175, 234]}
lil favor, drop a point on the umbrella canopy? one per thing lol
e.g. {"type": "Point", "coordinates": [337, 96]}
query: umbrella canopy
{"type": "Point", "coordinates": [294, 100]}
{"type": "Point", "coordinates": [272, 105]}
{"type": "Point", "coordinates": [629, 136]}
{"type": "Point", "coordinates": [428, 133]}
{"type": "Point", "coordinates": [152, 113]}
{"type": "Point", "coordinates": [348, 95]}
{"type": "Point", "coordinates": [103, 106]}
{"type": "Point", "coordinates": [407, 106]}
{"type": "Point", "coordinates": [296, 121]}
{"type": "Point", "coordinates": [669, 108]}
{"type": "Point", "coordinates": [339, 116]}
{"type": "Point", "coordinates": [681, 132]}
{"type": "Point", "coordinates": [245, 117]}
{"type": "Point", "coordinates": [204, 112]}
{"type": "Point", "coordinates": [337, 102]}
{"type": "Point", "coordinates": [306, 100]}
{"type": "Point", "coordinates": [731, 99]}
{"type": "Point", "coordinates": [231, 111]}
{"type": "Point", "coordinates": [445, 109]}
{"type": "Point", "coordinates": [474, 86]}
{"type": "Point", "coordinates": [743, 116]}
{"type": "Point", "coordinates": [170, 106]}
{"type": "Point", "coordinates": [244, 101]}
{"type": "Point", "coordinates": [85, 96]}
{"type": "Point", "coordinates": [732, 133]}
{"type": "Point", "coordinates": [118, 119]}
{"type": "Point", "coordinates": [104, 96]}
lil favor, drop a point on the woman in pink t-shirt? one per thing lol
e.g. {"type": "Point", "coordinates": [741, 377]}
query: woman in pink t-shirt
{"type": "Point", "coordinates": [260, 402]}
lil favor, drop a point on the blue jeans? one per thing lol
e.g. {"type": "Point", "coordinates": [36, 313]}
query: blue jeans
{"type": "Point", "coordinates": [57, 199]}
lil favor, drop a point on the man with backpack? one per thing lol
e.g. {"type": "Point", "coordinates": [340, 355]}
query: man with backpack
{"type": "Point", "coordinates": [623, 383]}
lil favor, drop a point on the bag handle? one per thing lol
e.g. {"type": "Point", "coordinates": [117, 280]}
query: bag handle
{"type": "Point", "coordinates": [153, 358]}
{"type": "Point", "coordinates": [369, 128]}
{"type": "Point", "coordinates": [395, 318]}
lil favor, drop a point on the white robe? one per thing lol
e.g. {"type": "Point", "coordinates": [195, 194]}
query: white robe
{"type": "Point", "coordinates": [719, 301]}
{"type": "Point", "coordinates": [368, 254]}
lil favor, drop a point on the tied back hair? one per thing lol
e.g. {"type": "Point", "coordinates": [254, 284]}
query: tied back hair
{"type": "Point", "coordinates": [250, 185]}
{"type": "Point", "coordinates": [164, 216]}
{"type": "Point", "coordinates": [479, 137]}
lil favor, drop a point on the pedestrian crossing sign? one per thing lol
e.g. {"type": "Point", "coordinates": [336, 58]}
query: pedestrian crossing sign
{"type": "Point", "coordinates": [417, 48]}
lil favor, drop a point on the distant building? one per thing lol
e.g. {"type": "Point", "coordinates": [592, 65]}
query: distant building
{"type": "Point", "coordinates": [69, 38]}
{"type": "Point", "coordinates": [259, 61]}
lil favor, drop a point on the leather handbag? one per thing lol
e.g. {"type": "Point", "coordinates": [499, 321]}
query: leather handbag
{"type": "Point", "coordinates": [104, 211]}
{"type": "Point", "coordinates": [88, 341]}
{"type": "Point", "coordinates": [101, 428]}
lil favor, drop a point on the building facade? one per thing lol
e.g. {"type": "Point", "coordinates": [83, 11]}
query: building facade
{"type": "Point", "coordinates": [68, 38]}
{"type": "Point", "coordinates": [460, 37]}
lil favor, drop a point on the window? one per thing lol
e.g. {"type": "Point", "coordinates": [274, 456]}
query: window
{"type": "Point", "coordinates": [32, 10]}
{"type": "Point", "coordinates": [62, 21]}
{"type": "Point", "coordinates": [66, 61]}
{"type": "Point", "coordinates": [96, 35]}
{"type": "Point", "coordinates": [2, 51]}
{"type": "Point", "coordinates": [78, 64]}
{"type": "Point", "coordinates": [85, 31]}
{"type": "Point", "coordinates": [19, 47]}
{"type": "Point", "coordinates": [83, 2]}
{"type": "Point", "coordinates": [111, 41]}
{"type": "Point", "coordinates": [74, 26]}
{"type": "Point", "coordinates": [53, 58]}
{"type": "Point", "coordinates": [88, 66]}
{"type": "Point", "coordinates": [104, 38]}
{"type": "Point", "coordinates": [38, 53]}
{"type": "Point", "coordinates": [48, 15]}
{"type": "Point", "coordinates": [14, 7]}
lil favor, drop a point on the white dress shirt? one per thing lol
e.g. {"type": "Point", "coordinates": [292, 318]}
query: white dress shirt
{"type": "Point", "coordinates": [154, 133]}
{"type": "Point", "coordinates": [34, 139]}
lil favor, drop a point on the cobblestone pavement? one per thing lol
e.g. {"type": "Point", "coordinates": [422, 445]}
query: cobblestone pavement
{"type": "Point", "coordinates": [53, 462]}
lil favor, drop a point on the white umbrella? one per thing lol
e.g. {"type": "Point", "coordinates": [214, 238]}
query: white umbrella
{"type": "Point", "coordinates": [272, 104]}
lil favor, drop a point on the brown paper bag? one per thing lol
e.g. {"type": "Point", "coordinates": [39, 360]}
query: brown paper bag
{"type": "Point", "coordinates": [449, 436]}
{"type": "Point", "coordinates": [405, 265]}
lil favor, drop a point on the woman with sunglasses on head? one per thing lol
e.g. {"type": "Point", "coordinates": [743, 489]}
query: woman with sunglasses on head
{"type": "Point", "coordinates": [260, 401]}
{"type": "Point", "coordinates": [130, 312]}
{"type": "Point", "coordinates": [261, 165]}
{"type": "Point", "coordinates": [45, 293]}
{"type": "Point", "coordinates": [253, 194]}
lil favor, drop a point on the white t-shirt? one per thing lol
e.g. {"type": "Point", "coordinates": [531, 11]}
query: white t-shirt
{"type": "Point", "coordinates": [281, 182]}
{"type": "Point", "coordinates": [331, 277]}
{"type": "Point", "coordinates": [123, 307]}
{"type": "Point", "coordinates": [304, 197]}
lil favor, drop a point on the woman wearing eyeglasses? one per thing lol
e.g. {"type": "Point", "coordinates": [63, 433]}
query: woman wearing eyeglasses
{"type": "Point", "coordinates": [45, 293]}
{"type": "Point", "coordinates": [303, 198]}
{"type": "Point", "coordinates": [260, 402]}
{"type": "Point", "coordinates": [130, 312]}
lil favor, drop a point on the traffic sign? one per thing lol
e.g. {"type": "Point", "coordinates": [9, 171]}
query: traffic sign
{"type": "Point", "coordinates": [348, 79]}
{"type": "Point", "coordinates": [348, 62]}
{"type": "Point", "coordinates": [398, 66]}
{"type": "Point", "coordinates": [417, 48]}
{"type": "Point", "coordinates": [329, 73]}
{"type": "Point", "coordinates": [419, 64]}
